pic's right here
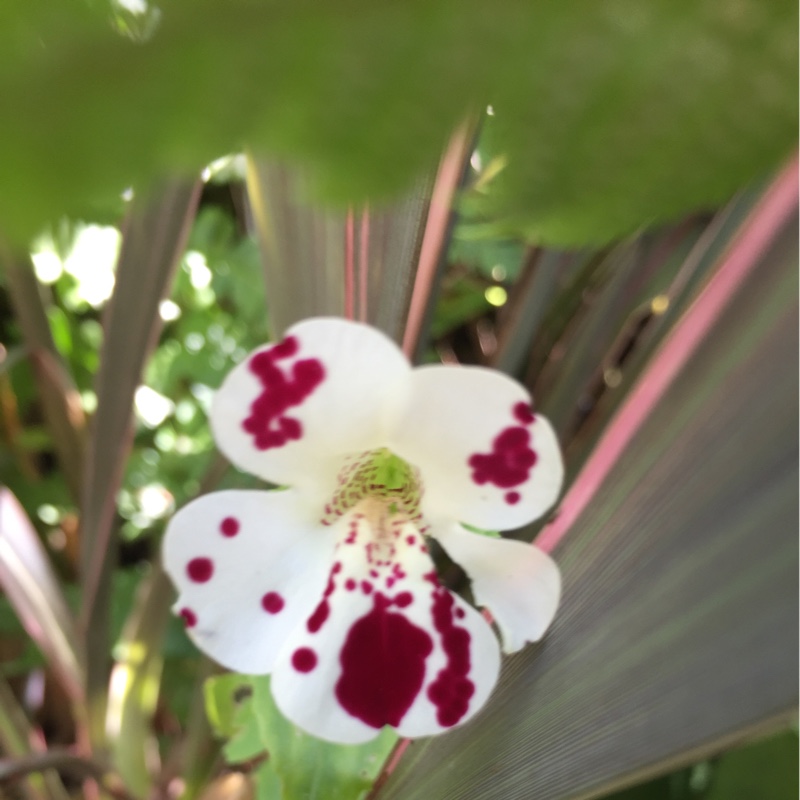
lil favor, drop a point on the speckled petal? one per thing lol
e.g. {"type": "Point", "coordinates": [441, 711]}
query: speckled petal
{"type": "Point", "coordinates": [485, 458]}
{"type": "Point", "coordinates": [291, 411]}
{"type": "Point", "coordinates": [249, 567]}
{"type": "Point", "coordinates": [386, 645]}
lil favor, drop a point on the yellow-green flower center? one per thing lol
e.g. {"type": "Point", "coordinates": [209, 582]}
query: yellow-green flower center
{"type": "Point", "coordinates": [377, 474]}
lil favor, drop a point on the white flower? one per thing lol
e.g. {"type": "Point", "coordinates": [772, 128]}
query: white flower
{"type": "Point", "coordinates": [328, 585]}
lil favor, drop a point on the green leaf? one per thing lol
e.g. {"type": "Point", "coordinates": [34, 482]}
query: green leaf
{"type": "Point", "coordinates": [306, 768]}
{"type": "Point", "coordinates": [609, 115]}
{"type": "Point", "coordinates": [767, 769]}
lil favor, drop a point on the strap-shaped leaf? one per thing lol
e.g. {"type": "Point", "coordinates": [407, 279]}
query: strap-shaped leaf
{"type": "Point", "coordinates": [58, 395]}
{"type": "Point", "coordinates": [316, 262]}
{"type": "Point", "coordinates": [153, 240]}
{"type": "Point", "coordinates": [30, 584]}
{"type": "Point", "coordinates": [679, 626]}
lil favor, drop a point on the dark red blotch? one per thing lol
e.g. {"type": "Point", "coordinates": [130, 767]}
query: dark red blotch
{"type": "Point", "coordinates": [452, 689]}
{"type": "Point", "coordinates": [383, 665]}
{"type": "Point", "coordinates": [267, 423]}
{"type": "Point", "coordinates": [512, 457]}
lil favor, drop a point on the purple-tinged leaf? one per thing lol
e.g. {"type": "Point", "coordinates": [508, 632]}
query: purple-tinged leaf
{"type": "Point", "coordinates": [28, 580]}
{"type": "Point", "coordinates": [154, 237]}
{"type": "Point", "coordinates": [678, 545]}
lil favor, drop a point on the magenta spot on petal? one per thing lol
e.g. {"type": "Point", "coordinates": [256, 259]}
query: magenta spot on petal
{"type": "Point", "coordinates": [323, 610]}
{"type": "Point", "coordinates": [410, 539]}
{"type": "Point", "coordinates": [366, 587]}
{"type": "Point", "coordinates": [200, 570]}
{"type": "Point", "coordinates": [229, 526]}
{"type": "Point", "coordinates": [267, 422]}
{"type": "Point", "coordinates": [431, 577]}
{"type": "Point", "coordinates": [383, 666]}
{"type": "Point", "coordinates": [304, 659]}
{"type": "Point", "coordinates": [350, 584]}
{"type": "Point", "coordinates": [188, 616]}
{"type": "Point", "coordinates": [460, 613]}
{"type": "Point", "coordinates": [524, 413]}
{"type": "Point", "coordinates": [512, 498]}
{"type": "Point", "coordinates": [272, 602]}
{"type": "Point", "coordinates": [452, 689]}
{"type": "Point", "coordinates": [404, 599]}
{"type": "Point", "coordinates": [511, 460]}
{"type": "Point", "coordinates": [318, 618]}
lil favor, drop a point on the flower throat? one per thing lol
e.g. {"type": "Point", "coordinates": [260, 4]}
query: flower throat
{"type": "Point", "coordinates": [379, 475]}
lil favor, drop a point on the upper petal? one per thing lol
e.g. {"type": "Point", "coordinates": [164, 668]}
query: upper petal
{"type": "Point", "coordinates": [517, 582]}
{"type": "Point", "coordinates": [290, 411]}
{"type": "Point", "coordinates": [485, 458]}
{"type": "Point", "coordinates": [249, 567]}
{"type": "Point", "coordinates": [386, 645]}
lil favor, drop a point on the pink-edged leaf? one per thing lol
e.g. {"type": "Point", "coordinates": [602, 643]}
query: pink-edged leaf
{"type": "Point", "coordinates": [370, 264]}
{"type": "Point", "coordinates": [678, 630]}
{"type": "Point", "coordinates": [27, 578]}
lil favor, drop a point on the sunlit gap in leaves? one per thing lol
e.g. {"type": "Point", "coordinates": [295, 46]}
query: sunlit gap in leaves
{"type": "Point", "coordinates": [89, 259]}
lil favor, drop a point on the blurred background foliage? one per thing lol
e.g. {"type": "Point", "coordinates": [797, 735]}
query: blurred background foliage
{"type": "Point", "coordinates": [548, 189]}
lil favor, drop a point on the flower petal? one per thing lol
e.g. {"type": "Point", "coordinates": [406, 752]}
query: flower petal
{"type": "Point", "coordinates": [290, 411]}
{"type": "Point", "coordinates": [249, 567]}
{"type": "Point", "coordinates": [517, 582]}
{"type": "Point", "coordinates": [386, 645]}
{"type": "Point", "coordinates": [484, 457]}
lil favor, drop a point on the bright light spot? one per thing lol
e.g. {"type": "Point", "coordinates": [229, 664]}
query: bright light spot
{"type": "Point", "coordinates": [89, 401]}
{"type": "Point", "coordinates": [184, 445]}
{"type": "Point", "coordinates": [134, 6]}
{"type": "Point", "coordinates": [153, 408]}
{"type": "Point", "coordinates": [228, 167]}
{"type": "Point", "coordinates": [155, 501]}
{"type": "Point", "coordinates": [47, 264]}
{"type": "Point", "coordinates": [203, 394]}
{"type": "Point", "coordinates": [150, 456]}
{"type": "Point", "coordinates": [475, 161]}
{"type": "Point", "coordinates": [127, 194]}
{"type": "Point", "coordinates": [185, 411]}
{"type": "Point", "coordinates": [199, 273]}
{"type": "Point", "coordinates": [194, 342]}
{"type": "Point", "coordinates": [228, 345]}
{"type": "Point", "coordinates": [91, 262]}
{"type": "Point", "coordinates": [499, 272]}
{"type": "Point", "coordinates": [48, 514]}
{"type": "Point", "coordinates": [612, 377]}
{"type": "Point", "coordinates": [490, 111]}
{"type": "Point", "coordinates": [165, 439]}
{"type": "Point", "coordinates": [168, 311]}
{"type": "Point", "coordinates": [659, 304]}
{"type": "Point", "coordinates": [496, 295]}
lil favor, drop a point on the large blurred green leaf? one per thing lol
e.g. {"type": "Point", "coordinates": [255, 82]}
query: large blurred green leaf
{"type": "Point", "coordinates": [610, 114]}
{"type": "Point", "coordinates": [678, 632]}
